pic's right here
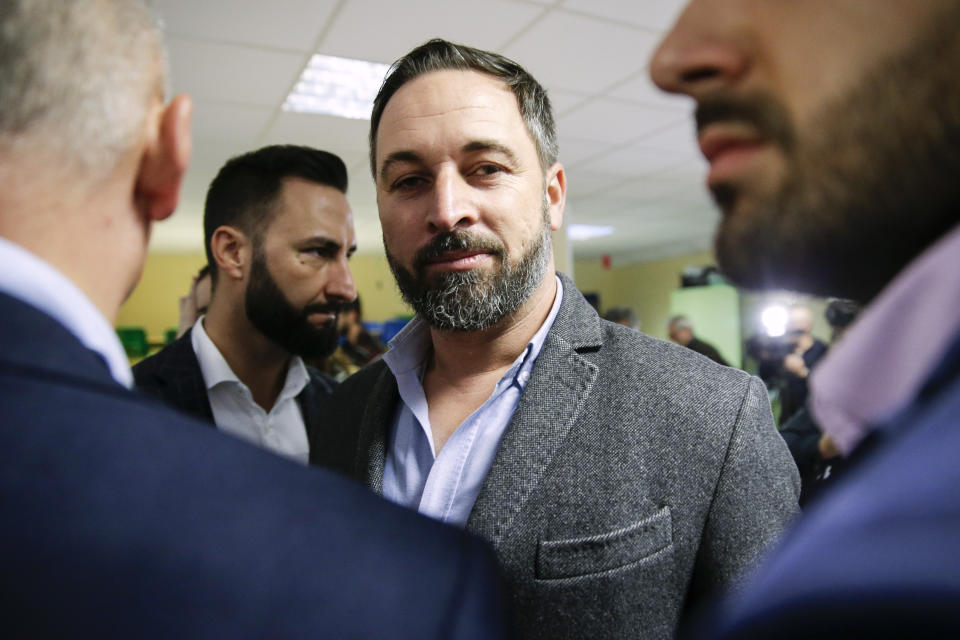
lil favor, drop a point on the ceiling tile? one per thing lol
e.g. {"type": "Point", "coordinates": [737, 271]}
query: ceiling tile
{"type": "Point", "coordinates": [609, 120]}
{"type": "Point", "coordinates": [678, 138]}
{"type": "Point", "coordinates": [656, 15]}
{"type": "Point", "coordinates": [668, 184]}
{"type": "Point", "coordinates": [572, 52]}
{"type": "Point", "coordinates": [231, 73]}
{"type": "Point", "coordinates": [641, 89]}
{"type": "Point", "coordinates": [281, 24]}
{"type": "Point", "coordinates": [582, 182]}
{"type": "Point", "coordinates": [563, 101]}
{"type": "Point", "coordinates": [342, 136]}
{"type": "Point", "coordinates": [573, 151]}
{"type": "Point", "coordinates": [237, 124]}
{"type": "Point", "coordinates": [633, 161]}
{"type": "Point", "coordinates": [384, 31]}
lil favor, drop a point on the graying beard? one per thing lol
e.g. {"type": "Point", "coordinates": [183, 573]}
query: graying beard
{"type": "Point", "coordinates": [473, 301]}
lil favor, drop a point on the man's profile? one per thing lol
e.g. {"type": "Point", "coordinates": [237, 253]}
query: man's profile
{"type": "Point", "coordinates": [832, 130]}
{"type": "Point", "coordinates": [279, 234]}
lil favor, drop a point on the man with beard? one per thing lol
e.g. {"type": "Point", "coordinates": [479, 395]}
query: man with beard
{"type": "Point", "coordinates": [832, 129]}
{"type": "Point", "coordinates": [278, 233]}
{"type": "Point", "coordinates": [618, 477]}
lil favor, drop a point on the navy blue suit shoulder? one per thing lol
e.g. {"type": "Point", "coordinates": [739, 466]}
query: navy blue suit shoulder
{"type": "Point", "coordinates": [123, 518]}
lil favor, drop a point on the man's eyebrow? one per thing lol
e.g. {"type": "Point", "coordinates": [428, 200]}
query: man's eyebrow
{"type": "Point", "coordinates": [327, 244]}
{"type": "Point", "coordinates": [397, 157]}
{"type": "Point", "coordinates": [321, 242]}
{"type": "Point", "coordinates": [492, 145]}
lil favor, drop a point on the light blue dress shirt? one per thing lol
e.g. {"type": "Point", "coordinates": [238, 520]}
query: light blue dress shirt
{"type": "Point", "coordinates": [445, 486]}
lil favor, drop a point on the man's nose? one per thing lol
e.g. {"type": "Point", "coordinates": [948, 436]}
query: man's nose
{"type": "Point", "coordinates": [703, 51]}
{"type": "Point", "coordinates": [339, 284]}
{"type": "Point", "coordinates": [452, 206]}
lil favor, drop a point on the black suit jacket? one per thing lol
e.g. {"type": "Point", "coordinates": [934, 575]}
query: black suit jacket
{"type": "Point", "coordinates": [174, 376]}
{"type": "Point", "coordinates": [125, 519]}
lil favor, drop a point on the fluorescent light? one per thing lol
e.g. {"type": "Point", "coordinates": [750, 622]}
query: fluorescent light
{"type": "Point", "coordinates": [588, 231]}
{"type": "Point", "coordinates": [774, 319]}
{"type": "Point", "coordinates": [337, 86]}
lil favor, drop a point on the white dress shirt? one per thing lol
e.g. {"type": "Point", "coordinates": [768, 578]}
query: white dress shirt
{"type": "Point", "coordinates": [280, 430]}
{"type": "Point", "coordinates": [446, 485]}
{"type": "Point", "coordinates": [34, 281]}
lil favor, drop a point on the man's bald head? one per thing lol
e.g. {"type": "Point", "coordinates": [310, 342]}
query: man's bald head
{"type": "Point", "coordinates": [77, 79]}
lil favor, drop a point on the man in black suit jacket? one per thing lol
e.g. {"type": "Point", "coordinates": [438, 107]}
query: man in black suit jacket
{"type": "Point", "coordinates": [278, 234]}
{"type": "Point", "coordinates": [121, 517]}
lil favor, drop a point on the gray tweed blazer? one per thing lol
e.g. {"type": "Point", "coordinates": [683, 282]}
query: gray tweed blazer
{"type": "Point", "coordinates": [635, 477]}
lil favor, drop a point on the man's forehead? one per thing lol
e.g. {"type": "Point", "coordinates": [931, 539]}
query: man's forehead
{"type": "Point", "coordinates": [305, 204]}
{"type": "Point", "coordinates": [438, 93]}
{"type": "Point", "coordinates": [449, 103]}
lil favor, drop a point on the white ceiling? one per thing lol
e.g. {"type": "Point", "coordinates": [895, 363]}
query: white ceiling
{"type": "Point", "coordinates": [629, 150]}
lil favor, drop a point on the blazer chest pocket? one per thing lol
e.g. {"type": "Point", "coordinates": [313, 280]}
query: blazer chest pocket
{"type": "Point", "coordinates": [574, 557]}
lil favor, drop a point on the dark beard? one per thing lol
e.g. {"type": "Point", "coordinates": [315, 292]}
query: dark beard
{"type": "Point", "coordinates": [273, 316]}
{"type": "Point", "coordinates": [870, 187]}
{"type": "Point", "coordinates": [476, 299]}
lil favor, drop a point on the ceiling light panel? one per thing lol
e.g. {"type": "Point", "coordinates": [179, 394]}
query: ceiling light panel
{"type": "Point", "coordinates": [337, 86]}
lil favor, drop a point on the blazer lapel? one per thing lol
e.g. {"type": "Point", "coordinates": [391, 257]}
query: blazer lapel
{"type": "Point", "coordinates": [181, 381]}
{"type": "Point", "coordinates": [551, 403]}
{"type": "Point", "coordinates": [374, 424]}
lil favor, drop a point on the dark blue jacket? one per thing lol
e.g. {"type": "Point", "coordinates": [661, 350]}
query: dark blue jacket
{"type": "Point", "coordinates": [173, 374]}
{"type": "Point", "coordinates": [122, 518]}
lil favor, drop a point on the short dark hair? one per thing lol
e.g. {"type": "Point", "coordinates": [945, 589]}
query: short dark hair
{"type": "Point", "coordinates": [441, 55]}
{"type": "Point", "coordinates": [246, 187]}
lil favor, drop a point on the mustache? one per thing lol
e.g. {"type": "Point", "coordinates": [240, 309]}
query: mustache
{"type": "Point", "coordinates": [455, 241]}
{"type": "Point", "coordinates": [762, 112]}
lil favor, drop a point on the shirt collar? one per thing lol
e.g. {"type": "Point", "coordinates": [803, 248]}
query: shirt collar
{"type": "Point", "coordinates": [879, 366]}
{"type": "Point", "coordinates": [36, 282]}
{"type": "Point", "coordinates": [409, 347]}
{"type": "Point", "coordinates": [216, 371]}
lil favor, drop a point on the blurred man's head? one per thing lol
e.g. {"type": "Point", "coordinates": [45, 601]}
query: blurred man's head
{"type": "Point", "coordinates": [831, 128]}
{"type": "Point", "coordinates": [79, 79]}
{"type": "Point", "coordinates": [195, 303]}
{"type": "Point", "coordinates": [799, 321]}
{"type": "Point", "coordinates": [463, 151]}
{"type": "Point", "coordinates": [680, 330]}
{"type": "Point", "coordinates": [623, 315]}
{"type": "Point", "coordinates": [89, 155]}
{"type": "Point", "coordinates": [279, 232]}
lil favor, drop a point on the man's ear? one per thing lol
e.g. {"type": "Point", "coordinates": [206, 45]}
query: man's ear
{"type": "Point", "coordinates": [164, 160]}
{"type": "Point", "coordinates": [556, 181]}
{"type": "Point", "coordinates": [232, 251]}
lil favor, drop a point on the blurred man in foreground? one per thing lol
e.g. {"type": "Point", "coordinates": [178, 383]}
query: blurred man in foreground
{"type": "Point", "coordinates": [121, 518]}
{"type": "Point", "coordinates": [832, 129]}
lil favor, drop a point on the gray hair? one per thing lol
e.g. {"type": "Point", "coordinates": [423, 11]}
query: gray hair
{"type": "Point", "coordinates": [441, 55]}
{"type": "Point", "coordinates": [680, 322]}
{"type": "Point", "coordinates": [623, 315]}
{"type": "Point", "coordinates": [77, 77]}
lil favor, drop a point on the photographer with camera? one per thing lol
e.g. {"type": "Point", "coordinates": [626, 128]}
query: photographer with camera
{"type": "Point", "coordinates": [816, 454]}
